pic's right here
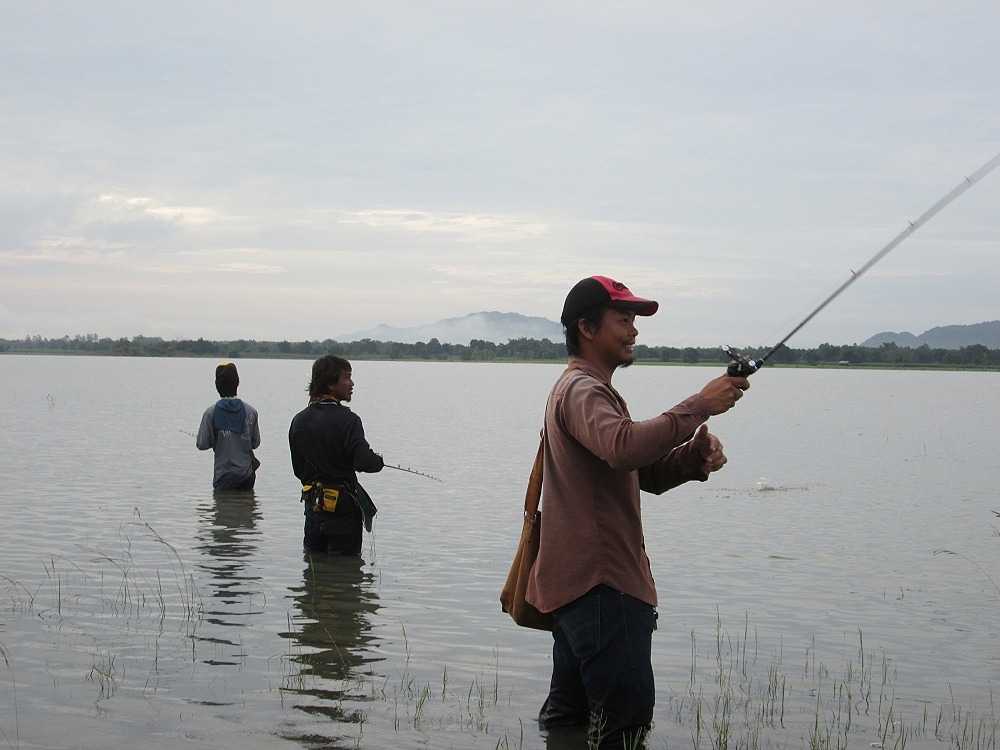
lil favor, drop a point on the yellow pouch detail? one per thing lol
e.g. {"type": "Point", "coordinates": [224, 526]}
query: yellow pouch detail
{"type": "Point", "coordinates": [328, 501]}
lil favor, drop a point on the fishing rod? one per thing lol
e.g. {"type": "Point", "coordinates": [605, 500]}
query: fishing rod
{"type": "Point", "coordinates": [743, 366]}
{"type": "Point", "coordinates": [386, 466]}
{"type": "Point", "coordinates": [411, 471]}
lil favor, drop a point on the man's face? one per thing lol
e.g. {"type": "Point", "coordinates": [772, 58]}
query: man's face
{"type": "Point", "coordinates": [614, 339]}
{"type": "Point", "coordinates": [344, 388]}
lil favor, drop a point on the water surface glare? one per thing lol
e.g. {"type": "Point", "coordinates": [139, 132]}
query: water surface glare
{"type": "Point", "coordinates": [844, 563]}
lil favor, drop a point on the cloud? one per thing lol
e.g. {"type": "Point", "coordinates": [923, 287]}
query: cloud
{"type": "Point", "coordinates": [415, 162]}
{"type": "Point", "coordinates": [477, 227]}
{"type": "Point", "coordinates": [124, 208]}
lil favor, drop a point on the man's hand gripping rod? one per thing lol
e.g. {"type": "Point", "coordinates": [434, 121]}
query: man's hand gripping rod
{"type": "Point", "coordinates": [743, 366]}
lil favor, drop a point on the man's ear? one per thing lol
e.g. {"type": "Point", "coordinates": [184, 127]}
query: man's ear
{"type": "Point", "coordinates": [586, 330]}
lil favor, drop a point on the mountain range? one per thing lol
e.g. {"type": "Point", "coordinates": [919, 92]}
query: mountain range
{"type": "Point", "coordinates": [500, 327]}
{"type": "Point", "coordinates": [943, 337]}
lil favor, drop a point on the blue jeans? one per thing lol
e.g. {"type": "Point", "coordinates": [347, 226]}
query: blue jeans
{"type": "Point", "coordinates": [602, 672]}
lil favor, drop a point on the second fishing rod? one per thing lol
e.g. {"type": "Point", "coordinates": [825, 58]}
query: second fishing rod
{"type": "Point", "coordinates": [743, 366]}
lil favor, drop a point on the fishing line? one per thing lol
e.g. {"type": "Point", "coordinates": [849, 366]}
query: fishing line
{"type": "Point", "coordinates": [743, 366]}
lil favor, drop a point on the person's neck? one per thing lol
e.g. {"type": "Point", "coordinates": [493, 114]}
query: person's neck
{"type": "Point", "coordinates": [326, 397]}
{"type": "Point", "coordinates": [606, 369]}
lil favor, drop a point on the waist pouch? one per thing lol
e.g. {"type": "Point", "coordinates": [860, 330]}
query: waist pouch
{"type": "Point", "coordinates": [330, 498]}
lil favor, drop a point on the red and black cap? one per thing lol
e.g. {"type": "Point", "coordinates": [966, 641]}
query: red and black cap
{"type": "Point", "coordinates": [600, 291]}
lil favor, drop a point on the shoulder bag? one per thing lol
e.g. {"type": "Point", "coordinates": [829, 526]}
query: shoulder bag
{"type": "Point", "coordinates": [512, 597]}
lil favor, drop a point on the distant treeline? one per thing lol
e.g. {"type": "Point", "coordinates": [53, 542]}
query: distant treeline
{"type": "Point", "coordinates": [523, 349]}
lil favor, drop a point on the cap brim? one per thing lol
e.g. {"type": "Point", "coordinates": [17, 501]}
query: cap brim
{"type": "Point", "coordinates": [638, 305]}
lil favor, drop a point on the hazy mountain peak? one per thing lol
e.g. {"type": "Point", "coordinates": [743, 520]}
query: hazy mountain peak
{"type": "Point", "coordinates": [498, 327]}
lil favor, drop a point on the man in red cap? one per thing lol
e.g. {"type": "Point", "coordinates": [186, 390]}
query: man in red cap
{"type": "Point", "coordinates": [592, 572]}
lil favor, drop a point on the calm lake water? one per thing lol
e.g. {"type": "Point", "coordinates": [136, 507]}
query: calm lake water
{"type": "Point", "coordinates": [837, 582]}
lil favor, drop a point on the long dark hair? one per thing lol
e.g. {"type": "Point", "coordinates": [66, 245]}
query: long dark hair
{"type": "Point", "coordinates": [326, 372]}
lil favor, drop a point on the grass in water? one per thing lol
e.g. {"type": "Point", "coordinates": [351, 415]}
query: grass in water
{"type": "Point", "coordinates": [14, 741]}
{"type": "Point", "coordinates": [734, 693]}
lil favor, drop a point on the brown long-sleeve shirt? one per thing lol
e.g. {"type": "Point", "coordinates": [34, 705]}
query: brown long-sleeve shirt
{"type": "Point", "coordinates": [596, 459]}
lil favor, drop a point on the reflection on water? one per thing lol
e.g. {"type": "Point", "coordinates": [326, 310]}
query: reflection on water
{"type": "Point", "coordinates": [332, 620]}
{"type": "Point", "coordinates": [335, 603]}
{"type": "Point", "coordinates": [227, 537]}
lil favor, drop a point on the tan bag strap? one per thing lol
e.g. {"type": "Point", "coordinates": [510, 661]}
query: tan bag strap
{"type": "Point", "coordinates": [534, 492]}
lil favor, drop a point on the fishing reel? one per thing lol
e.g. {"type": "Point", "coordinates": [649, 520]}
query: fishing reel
{"type": "Point", "coordinates": [741, 366]}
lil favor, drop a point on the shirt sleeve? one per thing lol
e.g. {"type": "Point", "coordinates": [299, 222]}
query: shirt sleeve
{"type": "Point", "coordinates": [206, 431]}
{"type": "Point", "coordinates": [255, 432]}
{"type": "Point", "coordinates": [596, 416]}
{"type": "Point", "coordinates": [362, 455]}
{"type": "Point", "coordinates": [681, 465]}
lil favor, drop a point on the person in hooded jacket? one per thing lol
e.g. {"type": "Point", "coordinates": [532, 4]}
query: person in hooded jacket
{"type": "Point", "coordinates": [230, 428]}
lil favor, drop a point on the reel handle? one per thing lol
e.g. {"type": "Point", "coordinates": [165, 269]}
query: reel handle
{"type": "Point", "coordinates": [741, 366]}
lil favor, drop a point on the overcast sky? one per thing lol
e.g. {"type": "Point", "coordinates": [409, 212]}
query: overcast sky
{"type": "Point", "coordinates": [298, 170]}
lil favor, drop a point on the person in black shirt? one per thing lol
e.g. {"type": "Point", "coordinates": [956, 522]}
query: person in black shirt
{"type": "Point", "coordinates": [328, 447]}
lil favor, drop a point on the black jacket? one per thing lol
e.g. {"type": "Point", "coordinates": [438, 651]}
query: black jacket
{"type": "Point", "coordinates": [327, 442]}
